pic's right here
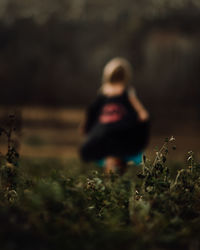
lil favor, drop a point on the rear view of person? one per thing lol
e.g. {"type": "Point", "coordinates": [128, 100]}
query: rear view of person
{"type": "Point", "coordinates": [116, 123]}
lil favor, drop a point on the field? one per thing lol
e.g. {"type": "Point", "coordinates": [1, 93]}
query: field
{"type": "Point", "coordinates": [51, 200]}
{"type": "Point", "coordinates": [51, 132]}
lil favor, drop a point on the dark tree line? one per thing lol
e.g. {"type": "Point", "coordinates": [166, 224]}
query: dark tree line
{"type": "Point", "coordinates": [53, 52]}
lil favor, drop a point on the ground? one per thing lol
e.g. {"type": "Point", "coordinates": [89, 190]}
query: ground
{"type": "Point", "coordinates": [53, 132]}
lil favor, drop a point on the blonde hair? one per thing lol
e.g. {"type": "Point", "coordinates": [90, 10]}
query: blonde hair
{"type": "Point", "coordinates": [117, 70]}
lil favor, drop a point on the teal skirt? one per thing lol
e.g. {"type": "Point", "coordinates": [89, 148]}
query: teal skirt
{"type": "Point", "coordinates": [135, 159]}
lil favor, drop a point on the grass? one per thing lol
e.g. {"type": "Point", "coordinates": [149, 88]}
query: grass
{"type": "Point", "coordinates": [54, 204]}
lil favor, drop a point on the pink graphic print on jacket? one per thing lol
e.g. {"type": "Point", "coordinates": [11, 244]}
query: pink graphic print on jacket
{"type": "Point", "coordinates": [112, 112]}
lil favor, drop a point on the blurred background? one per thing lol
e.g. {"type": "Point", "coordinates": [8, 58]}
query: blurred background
{"type": "Point", "coordinates": [52, 54]}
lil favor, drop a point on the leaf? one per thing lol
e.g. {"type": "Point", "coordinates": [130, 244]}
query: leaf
{"type": "Point", "coordinates": [141, 176]}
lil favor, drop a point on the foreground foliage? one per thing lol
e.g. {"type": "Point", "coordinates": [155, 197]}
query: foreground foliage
{"type": "Point", "coordinates": [53, 206]}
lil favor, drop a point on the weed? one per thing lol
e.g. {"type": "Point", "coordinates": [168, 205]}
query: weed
{"type": "Point", "coordinates": [64, 209]}
{"type": "Point", "coordinates": [9, 161]}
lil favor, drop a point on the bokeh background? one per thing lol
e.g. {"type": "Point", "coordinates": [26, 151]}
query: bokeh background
{"type": "Point", "coordinates": [52, 54]}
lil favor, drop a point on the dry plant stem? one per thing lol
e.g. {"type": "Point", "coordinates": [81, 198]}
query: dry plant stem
{"type": "Point", "coordinates": [158, 154]}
